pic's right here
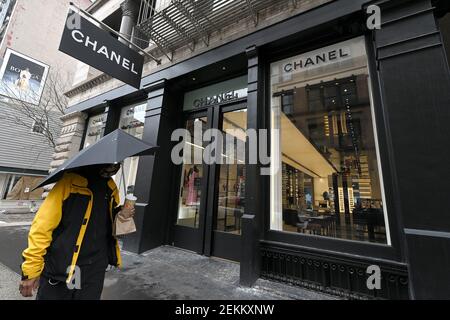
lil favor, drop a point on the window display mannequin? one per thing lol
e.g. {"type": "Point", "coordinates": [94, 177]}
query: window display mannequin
{"type": "Point", "coordinates": [240, 191]}
{"type": "Point", "coordinates": [191, 186]}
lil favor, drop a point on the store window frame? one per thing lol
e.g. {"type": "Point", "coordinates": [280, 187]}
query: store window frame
{"type": "Point", "coordinates": [443, 25]}
{"type": "Point", "coordinates": [111, 121]}
{"type": "Point", "coordinates": [11, 180]}
{"type": "Point", "coordinates": [116, 124]}
{"type": "Point", "coordinates": [395, 251]}
{"type": "Point", "coordinates": [196, 238]}
{"type": "Point", "coordinates": [39, 126]}
{"type": "Point", "coordinates": [86, 126]}
{"type": "Point", "coordinates": [27, 190]}
{"type": "Point", "coordinates": [201, 242]}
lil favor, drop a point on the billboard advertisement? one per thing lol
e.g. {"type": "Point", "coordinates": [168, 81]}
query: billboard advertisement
{"type": "Point", "coordinates": [22, 77]}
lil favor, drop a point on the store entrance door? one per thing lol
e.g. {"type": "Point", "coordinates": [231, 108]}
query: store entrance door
{"type": "Point", "coordinates": [211, 194]}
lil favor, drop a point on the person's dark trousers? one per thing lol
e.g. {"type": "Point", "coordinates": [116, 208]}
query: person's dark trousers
{"type": "Point", "coordinates": [92, 278]}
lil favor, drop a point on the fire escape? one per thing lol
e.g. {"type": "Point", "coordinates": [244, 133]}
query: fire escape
{"type": "Point", "coordinates": [187, 22]}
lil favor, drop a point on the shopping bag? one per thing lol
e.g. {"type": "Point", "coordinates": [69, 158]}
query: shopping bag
{"type": "Point", "coordinates": [123, 226]}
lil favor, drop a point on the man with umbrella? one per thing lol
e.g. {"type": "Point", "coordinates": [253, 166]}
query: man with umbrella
{"type": "Point", "coordinates": [71, 239]}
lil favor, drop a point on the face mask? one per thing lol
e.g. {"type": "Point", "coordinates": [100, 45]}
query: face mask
{"type": "Point", "coordinates": [110, 171]}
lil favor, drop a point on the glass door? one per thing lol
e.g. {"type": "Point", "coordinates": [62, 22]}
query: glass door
{"type": "Point", "coordinates": [230, 177]}
{"type": "Point", "coordinates": [188, 228]}
{"type": "Point", "coordinates": [211, 197]}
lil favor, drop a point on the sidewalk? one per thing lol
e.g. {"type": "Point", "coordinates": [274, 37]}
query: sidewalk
{"type": "Point", "coordinates": [162, 273]}
{"type": "Point", "coordinates": [9, 285]}
{"type": "Point", "coordinates": [16, 219]}
{"type": "Point", "coordinates": [171, 273]}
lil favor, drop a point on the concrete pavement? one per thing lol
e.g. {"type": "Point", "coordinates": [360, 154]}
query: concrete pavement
{"type": "Point", "coordinates": [162, 273]}
{"type": "Point", "coordinates": [9, 285]}
{"type": "Point", "coordinates": [170, 273]}
{"type": "Point", "coordinates": [22, 218]}
{"type": "Point", "coordinates": [13, 240]}
{"type": "Point", "coordinates": [16, 220]}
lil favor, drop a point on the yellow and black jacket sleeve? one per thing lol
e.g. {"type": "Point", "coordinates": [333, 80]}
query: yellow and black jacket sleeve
{"type": "Point", "coordinates": [40, 236]}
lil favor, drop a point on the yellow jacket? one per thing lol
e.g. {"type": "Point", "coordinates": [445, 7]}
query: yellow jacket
{"type": "Point", "coordinates": [51, 240]}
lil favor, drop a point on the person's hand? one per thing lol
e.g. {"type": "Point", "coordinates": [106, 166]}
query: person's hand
{"type": "Point", "coordinates": [127, 212]}
{"type": "Point", "coordinates": [27, 287]}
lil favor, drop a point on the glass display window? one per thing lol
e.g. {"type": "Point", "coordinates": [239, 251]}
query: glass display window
{"type": "Point", "coordinates": [132, 120]}
{"type": "Point", "coordinates": [326, 175]}
{"type": "Point", "coordinates": [94, 130]}
{"type": "Point", "coordinates": [20, 187]}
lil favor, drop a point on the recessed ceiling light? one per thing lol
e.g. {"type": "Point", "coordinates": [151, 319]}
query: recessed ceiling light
{"type": "Point", "coordinates": [224, 68]}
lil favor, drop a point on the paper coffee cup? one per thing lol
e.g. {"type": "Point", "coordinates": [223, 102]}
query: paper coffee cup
{"type": "Point", "coordinates": [130, 200]}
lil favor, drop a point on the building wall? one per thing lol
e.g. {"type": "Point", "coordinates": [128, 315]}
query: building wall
{"type": "Point", "coordinates": [276, 13]}
{"type": "Point", "coordinates": [34, 30]}
{"type": "Point", "coordinates": [445, 30]}
{"type": "Point", "coordinates": [99, 10]}
{"type": "Point", "coordinates": [7, 7]}
{"type": "Point", "coordinates": [102, 11]}
{"type": "Point", "coordinates": [89, 82]}
{"type": "Point", "coordinates": [420, 227]}
{"type": "Point", "coordinates": [411, 59]}
{"type": "Point", "coordinates": [20, 148]}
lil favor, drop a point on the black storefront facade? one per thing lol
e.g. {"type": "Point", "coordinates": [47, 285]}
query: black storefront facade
{"type": "Point", "coordinates": [394, 82]}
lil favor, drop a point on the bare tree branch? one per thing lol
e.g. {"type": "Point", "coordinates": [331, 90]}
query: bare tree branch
{"type": "Point", "coordinates": [44, 116]}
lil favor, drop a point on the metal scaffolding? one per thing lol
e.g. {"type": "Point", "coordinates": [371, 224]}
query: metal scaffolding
{"type": "Point", "coordinates": [185, 22]}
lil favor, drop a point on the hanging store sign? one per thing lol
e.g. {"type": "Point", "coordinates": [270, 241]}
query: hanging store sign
{"type": "Point", "coordinates": [98, 48]}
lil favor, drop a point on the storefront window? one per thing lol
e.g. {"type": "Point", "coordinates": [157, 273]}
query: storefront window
{"type": "Point", "coordinates": [132, 120]}
{"type": "Point", "coordinates": [94, 129]}
{"type": "Point", "coordinates": [325, 164]}
{"type": "Point", "coordinates": [19, 187]}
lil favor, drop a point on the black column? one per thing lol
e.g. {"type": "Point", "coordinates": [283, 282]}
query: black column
{"type": "Point", "coordinates": [252, 221]}
{"type": "Point", "coordinates": [130, 12]}
{"type": "Point", "coordinates": [153, 181]}
{"type": "Point", "coordinates": [415, 87]}
{"type": "Point", "coordinates": [112, 118]}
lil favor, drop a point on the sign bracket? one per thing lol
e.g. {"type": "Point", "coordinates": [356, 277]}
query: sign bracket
{"type": "Point", "coordinates": [103, 25]}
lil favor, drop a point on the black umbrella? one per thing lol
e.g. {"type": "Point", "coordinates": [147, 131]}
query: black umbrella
{"type": "Point", "coordinates": [112, 148]}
